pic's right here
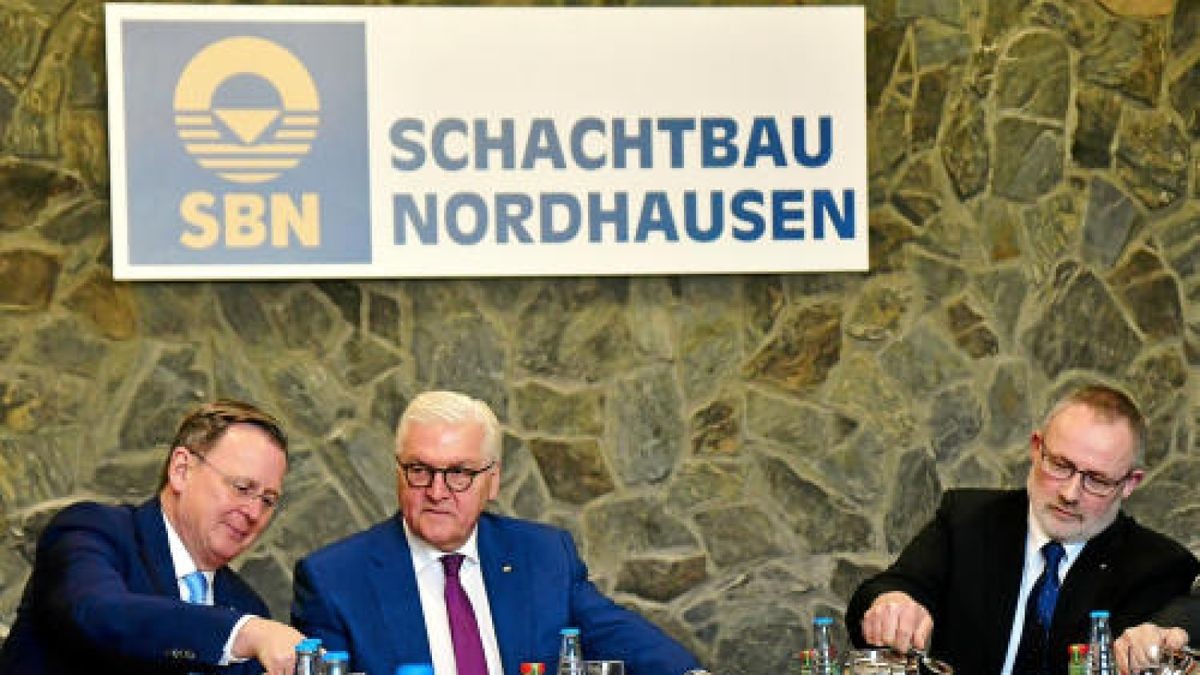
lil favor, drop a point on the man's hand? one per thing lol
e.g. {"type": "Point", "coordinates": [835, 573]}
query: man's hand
{"type": "Point", "coordinates": [271, 642]}
{"type": "Point", "coordinates": [1142, 646]}
{"type": "Point", "coordinates": [896, 620]}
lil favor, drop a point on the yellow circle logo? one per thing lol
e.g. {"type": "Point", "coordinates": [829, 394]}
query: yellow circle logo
{"type": "Point", "coordinates": [253, 143]}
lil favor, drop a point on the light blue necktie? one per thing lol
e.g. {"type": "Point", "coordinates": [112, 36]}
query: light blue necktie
{"type": "Point", "coordinates": [197, 587]}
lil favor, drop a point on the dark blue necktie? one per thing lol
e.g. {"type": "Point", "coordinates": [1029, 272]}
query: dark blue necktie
{"type": "Point", "coordinates": [1047, 585]}
{"type": "Point", "coordinates": [1033, 653]}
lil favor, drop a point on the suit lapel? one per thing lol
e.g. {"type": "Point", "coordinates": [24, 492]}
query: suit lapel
{"type": "Point", "coordinates": [1084, 580]}
{"type": "Point", "coordinates": [1006, 563]}
{"type": "Point", "coordinates": [398, 602]}
{"type": "Point", "coordinates": [508, 591]}
{"type": "Point", "coordinates": [153, 548]}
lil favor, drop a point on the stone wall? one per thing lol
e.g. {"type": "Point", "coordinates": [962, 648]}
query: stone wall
{"type": "Point", "coordinates": [733, 453]}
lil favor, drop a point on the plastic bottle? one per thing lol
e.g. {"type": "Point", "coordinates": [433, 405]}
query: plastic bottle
{"type": "Point", "coordinates": [308, 657]}
{"type": "Point", "coordinates": [336, 663]}
{"type": "Point", "coordinates": [1100, 647]}
{"type": "Point", "coordinates": [806, 657]}
{"type": "Point", "coordinates": [825, 657]}
{"type": "Point", "coordinates": [570, 653]}
{"type": "Point", "coordinates": [1077, 659]}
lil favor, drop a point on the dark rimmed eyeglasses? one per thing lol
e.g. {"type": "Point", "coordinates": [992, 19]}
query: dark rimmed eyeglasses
{"type": "Point", "coordinates": [1061, 468]}
{"type": "Point", "coordinates": [457, 478]}
{"type": "Point", "coordinates": [245, 488]}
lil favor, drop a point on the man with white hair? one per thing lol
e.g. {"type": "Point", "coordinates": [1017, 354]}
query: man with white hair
{"type": "Point", "coordinates": [443, 582]}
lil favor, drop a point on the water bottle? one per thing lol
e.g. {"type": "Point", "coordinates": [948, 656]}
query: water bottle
{"type": "Point", "coordinates": [825, 657]}
{"type": "Point", "coordinates": [308, 657]}
{"type": "Point", "coordinates": [414, 669]}
{"type": "Point", "coordinates": [1100, 646]}
{"type": "Point", "coordinates": [570, 653]}
{"type": "Point", "coordinates": [336, 663]}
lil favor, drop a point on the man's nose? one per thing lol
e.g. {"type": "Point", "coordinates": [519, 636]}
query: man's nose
{"type": "Point", "coordinates": [1071, 488]}
{"type": "Point", "coordinates": [438, 490]}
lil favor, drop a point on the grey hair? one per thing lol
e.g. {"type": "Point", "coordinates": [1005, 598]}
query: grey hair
{"type": "Point", "coordinates": [451, 407]}
{"type": "Point", "coordinates": [1109, 404]}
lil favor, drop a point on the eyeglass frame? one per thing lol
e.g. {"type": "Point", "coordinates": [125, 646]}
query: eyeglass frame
{"type": "Point", "coordinates": [470, 474]}
{"type": "Point", "coordinates": [1052, 462]}
{"type": "Point", "coordinates": [244, 488]}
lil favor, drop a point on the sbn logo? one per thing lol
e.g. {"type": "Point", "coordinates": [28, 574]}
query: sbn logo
{"type": "Point", "coordinates": [247, 110]}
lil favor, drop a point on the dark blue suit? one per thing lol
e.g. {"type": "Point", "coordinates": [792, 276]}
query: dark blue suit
{"type": "Point", "coordinates": [103, 599]}
{"type": "Point", "coordinates": [360, 595]}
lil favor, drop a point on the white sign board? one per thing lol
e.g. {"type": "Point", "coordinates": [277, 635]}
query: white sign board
{"type": "Point", "coordinates": [287, 142]}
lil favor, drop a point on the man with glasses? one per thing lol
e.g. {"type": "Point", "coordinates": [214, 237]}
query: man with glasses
{"type": "Point", "coordinates": [445, 583]}
{"type": "Point", "coordinates": [1004, 581]}
{"type": "Point", "coordinates": [146, 589]}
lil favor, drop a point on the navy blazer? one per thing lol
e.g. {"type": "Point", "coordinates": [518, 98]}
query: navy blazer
{"type": "Point", "coordinates": [965, 568]}
{"type": "Point", "coordinates": [360, 595]}
{"type": "Point", "coordinates": [103, 600]}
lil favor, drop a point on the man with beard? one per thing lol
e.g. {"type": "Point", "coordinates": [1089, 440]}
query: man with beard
{"type": "Point", "coordinates": [1004, 581]}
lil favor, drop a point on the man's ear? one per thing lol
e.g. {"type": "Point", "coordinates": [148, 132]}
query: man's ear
{"type": "Point", "coordinates": [177, 468]}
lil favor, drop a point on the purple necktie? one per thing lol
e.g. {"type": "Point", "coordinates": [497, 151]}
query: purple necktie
{"type": "Point", "coordinates": [464, 632]}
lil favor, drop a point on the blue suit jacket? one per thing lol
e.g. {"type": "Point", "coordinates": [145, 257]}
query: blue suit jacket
{"type": "Point", "coordinates": [103, 600]}
{"type": "Point", "coordinates": [360, 595]}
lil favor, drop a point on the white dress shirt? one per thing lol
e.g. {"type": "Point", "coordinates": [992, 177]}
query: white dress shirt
{"type": "Point", "coordinates": [1034, 564]}
{"type": "Point", "coordinates": [182, 561]}
{"type": "Point", "coordinates": [431, 583]}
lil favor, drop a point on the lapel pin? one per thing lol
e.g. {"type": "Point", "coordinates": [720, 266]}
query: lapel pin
{"type": "Point", "coordinates": [506, 569]}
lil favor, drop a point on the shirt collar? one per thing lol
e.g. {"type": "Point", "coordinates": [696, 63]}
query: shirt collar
{"type": "Point", "coordinates": [181, 560]}
{"type": "Point", "coordinates": [424, 554]}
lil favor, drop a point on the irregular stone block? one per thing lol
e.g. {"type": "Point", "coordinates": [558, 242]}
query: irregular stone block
{"type": "Point", "coordinates": [1108, 222]}
{"type": "Point", "coordinates": [1035, 77]}
{"type": "Point", "coordinates": [1028, 159]}
{"type": "Point", "coordinates": [1009, 418]}
{"type": "Point", "coordinates": [644, 426]}
{"type": "Point", "coordinates": [27, 279]}
{"type": "Point", "coordinates": [955, 419]}
{"type": "Point", "coordinates": [883, 42]}
{"type": "Point", "coordinates": [106, 304]}
{"type": "Point", "coordinates": [936, 44]}
{"type": "Point", "coordinates": [803, 350]}
{"type": "Point", "coordinates": [1126, 56]}
{"type": "Point", "coordinates": [661, 579]}
{"type": "Point", "coordinates": [736, 534]}
{"type": "Point", "coordinates": [1150, 293]}
{"type": "Point", "coordinates": [964, 149]}
{"type": "Point", "coordinates": [307, 321]}
{"type": "Point", "coordinates": [162, 395]}
{"type": "Point", "coordinates": [820, 523]}
{"type": "Point", "coordinates": [574, 471]}
{"type": "Point", "coordinates": [1077, 299]}
{"type": "Point", "coordinates": [346, 296]}
{"type": "Point", "coordinates": [889, 235]}
{"type": "Point", "coordinates": [716, 428]}
{"type": "Point", "coordinates": [245, 314]}
{"type": "Point", "coordinates": [923, 362]}
{"type": "Point", "coordinates": [760, 639]}
{"type": "Point", "coordinates": [1153, 156]}
{"type": "Point", "coordinates": [1097, 112]}
{"type": "Point", "coordinates": [310, 397]}
{"type": "Point", "coordinates": [363, 358]}
{"type": "Point", "coordinates": [701, 483]}
{"type": "Point", "coordinates": [631, 525]}
{"type": "Point", "coordinates": [798, 430]}
{"type": "Point", "coordinates": [916, 494]}
{"type": "Point", "coordinates": [879, 309]}
{"type": "Point", "coordinates": [548, 411]}
{"type": "Point", "coordinates": [928, 105]}
{"type": "Point", "coordinates": [1185, 97]}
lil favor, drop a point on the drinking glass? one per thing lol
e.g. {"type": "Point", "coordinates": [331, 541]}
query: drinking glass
{"type": "Point", "coordinates": [604, 667]}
